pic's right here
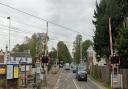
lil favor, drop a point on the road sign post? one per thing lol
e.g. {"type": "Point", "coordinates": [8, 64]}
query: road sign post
{"type": "Point", "coordinates": [116, 81]}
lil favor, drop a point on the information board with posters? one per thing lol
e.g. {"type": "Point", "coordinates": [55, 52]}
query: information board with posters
{"type": "Point", "coordinates": [2, 71]}
{"type": "Point", "coordinates": [9, 72]}
{"type": "Point", "coordinates": [16, 72]}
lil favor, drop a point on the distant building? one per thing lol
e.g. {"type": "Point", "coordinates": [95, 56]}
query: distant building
{"type": "Point", "coordinates": [2, 56]}
{"type": "Point", "coordinates": [91, 55]}
{"type": "Point", "coordinates": [21, 57]}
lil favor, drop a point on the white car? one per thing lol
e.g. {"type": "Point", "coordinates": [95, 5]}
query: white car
{"type": "Point", "coordinates": [67, 66]}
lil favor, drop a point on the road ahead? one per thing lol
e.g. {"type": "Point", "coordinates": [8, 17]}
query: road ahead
{"type": "Point", "coordinates": [67, 81]}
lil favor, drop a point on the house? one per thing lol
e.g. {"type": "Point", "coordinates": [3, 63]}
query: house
{"type": "Point", "coordinates": [91, 55]}
{"type": "Point", "coordinates": [21, 57]}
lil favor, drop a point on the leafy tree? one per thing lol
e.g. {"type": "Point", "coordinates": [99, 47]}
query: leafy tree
{"type": "Point", "coordinates": [115, 9]}
{"type": "Point", "coordinates": [101, 37]}
{"type": "Point", "coordinates": [32, 46]}
{"type": "Point", "coordinates": [85, 45]}
{"type": "Point", "coordinates": [20, 47]}
{"type": "Point", "coordinates": [77, 45]}
{"type": "Point", "coordinates": [63, 52]}
{"type": "Point", "coordinates": [122, 47]}
{"type": "Point", "coordinates": [53, 54]}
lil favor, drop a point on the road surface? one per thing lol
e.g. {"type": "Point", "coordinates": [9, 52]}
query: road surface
{"type": "Point", "coordinates": [67, 81]}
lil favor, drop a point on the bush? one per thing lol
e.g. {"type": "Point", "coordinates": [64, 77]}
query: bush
{"type": "Point", "coordinates": [2, 82]}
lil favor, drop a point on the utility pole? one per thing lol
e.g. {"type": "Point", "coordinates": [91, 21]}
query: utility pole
{"type": "Point", "coordinates": [57, 56]}
{"type": "Point", "coordinates": [81, 60]}
{"type": "Point", "coordinates": [9, 48]}
{"type": "Point", "coordinates": [9, 32]}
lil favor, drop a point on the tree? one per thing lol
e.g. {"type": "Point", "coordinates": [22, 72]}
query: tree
{"type": "Point", "coordinates": [63, 52]}
{"type": "Point", "coordinates": [85, 45]}
{"type": "Point", "coordinates": [122, 47]}
{"type": "Point", "coordinates": [77, 45]}
{"type": "Point", "coordinates": [101, 37]}
{"type": "Point", "coordinates": [117, 10]}
{"type": "Point", "coordinates": [32, 46]}
{"type": "Point", "coordinates": [53, 54]}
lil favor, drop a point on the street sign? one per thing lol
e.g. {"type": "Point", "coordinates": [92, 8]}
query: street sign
{"type": "Point", "coordinates": [12, 62]}
{"type": "Point", "coordinates": [38, 70]}
{"type": "Point", "coordinates": [9, 72]}
{"type": "Point", "coordinates": [116, 81]}
{"type": "Point", "coordinates": [23, 68]}
{"type": "Point", "coordinates": [41, 76]}
{"type": "Point", "coordinates": [33, 70]}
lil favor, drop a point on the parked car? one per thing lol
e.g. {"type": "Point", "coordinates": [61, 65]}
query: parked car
{"type": "Point", "coordinates": [81, 73]}
{"type": "Point", "coordinates": [74, 69]}
{"type": "Point", "coordinates": [72, 65]}
{"type": "Point", "coordinates": [67, 66]}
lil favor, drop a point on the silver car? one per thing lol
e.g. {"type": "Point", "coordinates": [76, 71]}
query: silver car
{"type": "Point", "coordinates": [81, 73]}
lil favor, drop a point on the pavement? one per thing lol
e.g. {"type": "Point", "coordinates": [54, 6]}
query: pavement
{"type": "Point", "coordinates": [52, 78]}
{"type": "Point", "coordinates": [67, 80]}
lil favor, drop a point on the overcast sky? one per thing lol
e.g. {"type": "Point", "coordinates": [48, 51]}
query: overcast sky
{"type": "Point", "coordinates": [74, 14]}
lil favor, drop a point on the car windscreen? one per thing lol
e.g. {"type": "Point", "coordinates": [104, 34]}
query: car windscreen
{"type": "Point", "coordinates": [82, 68]}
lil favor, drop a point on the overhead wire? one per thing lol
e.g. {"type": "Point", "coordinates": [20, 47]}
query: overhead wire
{"type": "Point", "coordinates": [19, 31]}
{"type": "Point", "coordinates": [66, 28]}
{"type": "Point", "coordinates": [29, 25]}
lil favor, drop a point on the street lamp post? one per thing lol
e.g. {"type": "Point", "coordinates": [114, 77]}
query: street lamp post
{"type": "Point", "coordinates": [73, 53]}
{"type": "Point", "coordinates": [81, 60]}
{"type": "Point", "coordinates": [9, 49]}
{"type": "Point", "coordinates": [9, 18]}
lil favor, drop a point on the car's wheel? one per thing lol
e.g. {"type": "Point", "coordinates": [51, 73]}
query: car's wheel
{"type": "Point", "coordinates": [78, 79]}
{"type": "Point", "coordinates": [85, 79]}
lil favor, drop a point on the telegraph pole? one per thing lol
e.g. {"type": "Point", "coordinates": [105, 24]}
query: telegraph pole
{"type": "Point", "coordinates": [81, 60]}
{"type": "Point", "coordinates": [57, 56]}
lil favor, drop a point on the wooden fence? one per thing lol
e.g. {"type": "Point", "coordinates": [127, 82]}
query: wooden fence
{"type": "Point", "coordinates": [103, 73]}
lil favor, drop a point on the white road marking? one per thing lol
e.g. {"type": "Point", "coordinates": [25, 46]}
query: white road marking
{"type": "Point", "coordinates": [76, 85]}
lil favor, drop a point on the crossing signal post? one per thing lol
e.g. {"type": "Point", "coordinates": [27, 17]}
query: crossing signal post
{"type": "Point", "coordinates": [45, 58]}
{"type": "Point", "coordinates": [116, 78]}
